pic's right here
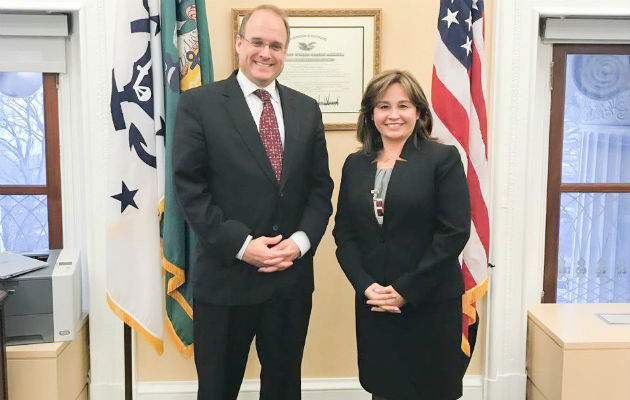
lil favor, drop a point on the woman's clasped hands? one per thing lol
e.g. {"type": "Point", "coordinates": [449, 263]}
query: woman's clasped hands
{"type": "Point", "coordinates": [384, 298]}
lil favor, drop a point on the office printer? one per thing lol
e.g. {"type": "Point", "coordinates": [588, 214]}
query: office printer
{"type": "Point", "coordinates": [44, 305]}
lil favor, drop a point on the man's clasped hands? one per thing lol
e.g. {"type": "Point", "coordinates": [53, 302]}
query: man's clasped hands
{"type": "Point", "coordinates": [271, 254]}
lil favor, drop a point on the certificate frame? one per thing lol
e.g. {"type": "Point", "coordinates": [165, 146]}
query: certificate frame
{"type": "Point", "coordinates": [346, 65]}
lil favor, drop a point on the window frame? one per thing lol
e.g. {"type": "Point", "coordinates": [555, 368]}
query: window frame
{"type": "Point", "coordinates": [52, 188]}
{"type": "Point", "coordinates": [555, 187]}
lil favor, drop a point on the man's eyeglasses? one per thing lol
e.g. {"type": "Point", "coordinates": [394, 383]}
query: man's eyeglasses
{"type": "Point", "coordinates": [260, 44]}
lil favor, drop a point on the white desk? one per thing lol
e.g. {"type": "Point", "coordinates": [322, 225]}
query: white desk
{"type": "Point", "coordinates": [572, 354]}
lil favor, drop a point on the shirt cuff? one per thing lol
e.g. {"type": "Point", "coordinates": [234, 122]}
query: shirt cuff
{"type": "Point", "coordinates": [241, 252]}
{"type": "Point", "coordinates": [302, 242]}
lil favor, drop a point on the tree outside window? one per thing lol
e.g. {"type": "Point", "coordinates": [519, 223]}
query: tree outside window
{"type": "Point", "coordinates": [30, 201]}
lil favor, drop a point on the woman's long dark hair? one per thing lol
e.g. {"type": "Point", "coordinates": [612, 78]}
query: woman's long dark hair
{"type": "Point", "coordinates": [367, 133]}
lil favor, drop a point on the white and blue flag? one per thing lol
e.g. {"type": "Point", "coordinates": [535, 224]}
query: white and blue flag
{"type": "Point", "coordinates": [135, 169]}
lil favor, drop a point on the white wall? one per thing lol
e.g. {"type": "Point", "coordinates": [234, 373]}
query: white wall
{"type": "Point", "coordinates": [519, 120]}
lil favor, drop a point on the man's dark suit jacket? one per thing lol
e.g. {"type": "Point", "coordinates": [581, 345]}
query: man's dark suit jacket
{"type": "Point", "coordinates": [425, 226]}
{"type": "Point", "coordinates": [227, 189]}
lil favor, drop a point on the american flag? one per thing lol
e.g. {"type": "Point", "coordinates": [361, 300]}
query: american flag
{"type": "Point", "coordinates": [459, 108]}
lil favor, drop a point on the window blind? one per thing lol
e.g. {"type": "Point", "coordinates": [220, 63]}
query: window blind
{"type": "Point", "coordinates": [33, 43]}
{"type": "Point", "coordinates": [585, 30]}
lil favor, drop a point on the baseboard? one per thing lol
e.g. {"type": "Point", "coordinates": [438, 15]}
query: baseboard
{"type": "Point", "coordinates": [102, 391]}
{"type": "Point", "coordinates": [507, 387]}
{"type": "Point", "coordinates": [473, 387]}
{"type": "Point", "coordinates": [312, 389]}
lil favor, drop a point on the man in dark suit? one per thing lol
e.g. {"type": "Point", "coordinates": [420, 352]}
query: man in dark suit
{"type": "Point", "coordinates": [250, 170]}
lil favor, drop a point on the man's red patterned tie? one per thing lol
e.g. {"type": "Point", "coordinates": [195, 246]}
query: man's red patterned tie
{"type": "Point", "coordinates": [270, 134]}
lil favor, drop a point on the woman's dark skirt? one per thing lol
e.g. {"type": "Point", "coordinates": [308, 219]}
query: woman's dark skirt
{"type": "Point", "coordinates": [415, 355]}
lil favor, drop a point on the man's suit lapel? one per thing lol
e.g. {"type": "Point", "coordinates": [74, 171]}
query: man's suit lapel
{"type": "Point", "coordinates": [245, 125]}
{"type": "Point", "coordinates": [291, 130]}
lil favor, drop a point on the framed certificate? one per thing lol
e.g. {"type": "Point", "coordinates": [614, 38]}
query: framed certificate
{"type": "Point", "coordinates": [332, 55]}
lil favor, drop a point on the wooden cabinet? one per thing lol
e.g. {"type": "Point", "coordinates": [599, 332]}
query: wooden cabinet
{"type": "Point", "coordinates": [573, 354]}
{"type": "Point", "coordinates": [50, 371]}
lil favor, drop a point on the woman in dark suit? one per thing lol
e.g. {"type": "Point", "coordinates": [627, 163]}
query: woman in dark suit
{"type": "Point", "coordinates": [402, 220]}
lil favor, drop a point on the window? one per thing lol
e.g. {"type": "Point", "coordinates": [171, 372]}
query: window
{"type": "Point", "coordinates": [30, 189]}
{"type": "Point", "coordinates": [587, 251]}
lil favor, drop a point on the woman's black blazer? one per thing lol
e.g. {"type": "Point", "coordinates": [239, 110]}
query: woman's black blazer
{"type": "Point", "coordinates": [425, 226]}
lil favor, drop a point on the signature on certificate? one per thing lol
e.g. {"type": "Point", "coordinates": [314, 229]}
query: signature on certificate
{"type": "Point", "coordinates": [328, 101]}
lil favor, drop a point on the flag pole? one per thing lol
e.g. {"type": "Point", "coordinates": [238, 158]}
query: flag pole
{"type": "Point", "coordinates": [128, 366]}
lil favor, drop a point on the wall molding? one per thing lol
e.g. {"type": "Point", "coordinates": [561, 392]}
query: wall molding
{"type": "Point", "coordinates": [95, 34]}
{"type": "Point", "coordinates": [312, 389]}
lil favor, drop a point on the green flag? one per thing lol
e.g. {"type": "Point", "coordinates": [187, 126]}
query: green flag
{"type": "Point", "coordinates": [187, 64]}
